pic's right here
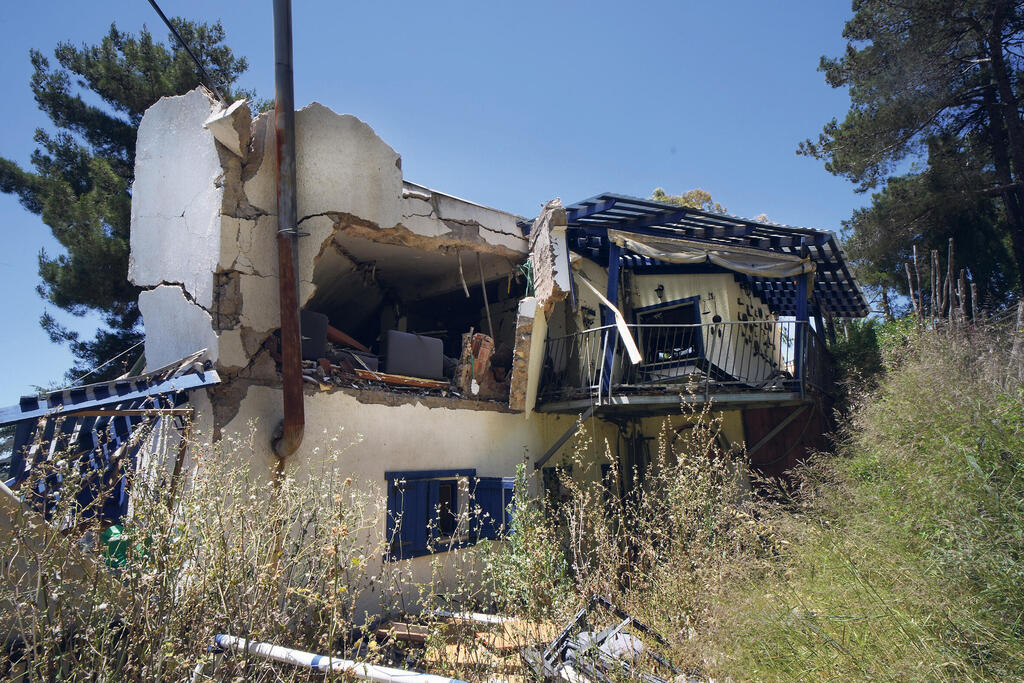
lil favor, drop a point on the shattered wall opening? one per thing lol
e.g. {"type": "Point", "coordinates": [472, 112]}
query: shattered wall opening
{"type": "Point", "coordinates": [370, 289]}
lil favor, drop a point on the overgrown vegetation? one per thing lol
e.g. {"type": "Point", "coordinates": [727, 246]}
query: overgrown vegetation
{"type": "Point", "coordinates": [903, 552]}
{"type": "Point", "coordinates": [896, 558]}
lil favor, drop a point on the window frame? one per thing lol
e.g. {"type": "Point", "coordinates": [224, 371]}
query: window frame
{"type": "Point", "coordinates": [698, 337]}
{"type": "Point", "coordinates": [413, 524]}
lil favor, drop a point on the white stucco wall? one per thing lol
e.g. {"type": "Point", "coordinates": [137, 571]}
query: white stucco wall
{"type": "Point", "coordinates": [376, 438]}
{"type": "Point", "coordinates": [176, 201]}
{"type": "Point", "coordinates": [341, 165]}
{"type": "Point", "coordinates": [175, 326]}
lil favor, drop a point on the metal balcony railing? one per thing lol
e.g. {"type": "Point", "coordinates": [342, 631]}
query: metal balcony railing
{"type": "Point", "coordinates": [712, 358]}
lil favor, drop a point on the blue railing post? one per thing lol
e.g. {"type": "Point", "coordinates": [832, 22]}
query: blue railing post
{"type": "Point", "coordinates": [801, 328]}
{"type": "Point", "coordinates": [608, 318]}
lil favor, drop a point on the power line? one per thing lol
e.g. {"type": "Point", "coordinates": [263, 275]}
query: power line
{"type": "Point", "coordinates": [108, 362]}
{"type": "Point", "coordinates": [206, 77]}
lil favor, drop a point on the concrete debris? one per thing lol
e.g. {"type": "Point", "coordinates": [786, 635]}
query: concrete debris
{"type": "Point", "coordinates": [482, 371]}
{"type": "Point", "coordinates": [527, 356]}
{"type": "Point", "coordinates": [231, 127]}
{"type": "Point", "coordinates": [548, 255]}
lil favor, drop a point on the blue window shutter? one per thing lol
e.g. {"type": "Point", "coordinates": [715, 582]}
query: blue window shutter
{"type": "Point", "coordinates": [508, 501]}
{"type": "Point", "coordinates": [407, 511]}
{"type": "Point", "coordinates": [430, 525]}
{"type": "Point", "coordinates": [492, 498]}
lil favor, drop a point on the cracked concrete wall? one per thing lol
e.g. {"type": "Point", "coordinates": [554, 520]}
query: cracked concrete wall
{"type": "Point", "coordinates": [175, 326]}
{"type": "Point", "coordinates": [342, 167]}
{"type": "Point", "coordinates": [175, 236]}
{"type": "Point", "coordinates": [459, 223]}
{"type": "Point", "coordinates": [204, 238]}
{"type": "Point", "coordinates": [549, 257]}
{"type": "Point", "coordinates": [203, 219]}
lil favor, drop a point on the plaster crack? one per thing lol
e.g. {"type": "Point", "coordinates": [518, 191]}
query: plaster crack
{"type": "Point", "coordinates": [501, 232]}
{"type": "Point", "coordinates": [329, 214]}
{"type": "Point", "coordinates": [184, 292]}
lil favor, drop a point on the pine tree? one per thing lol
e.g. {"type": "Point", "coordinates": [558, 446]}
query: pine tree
{"type": "Point", "coordinates": [81, 172]}
{"type": "Point", "coordinates": [935, 89]}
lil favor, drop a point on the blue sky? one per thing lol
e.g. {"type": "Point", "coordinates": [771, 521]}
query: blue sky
{"type": "Point", "coordinates": [505, 104]}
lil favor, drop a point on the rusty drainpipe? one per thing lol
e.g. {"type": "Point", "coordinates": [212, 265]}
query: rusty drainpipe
{"type": "Point", "coordinates": [289, 435]}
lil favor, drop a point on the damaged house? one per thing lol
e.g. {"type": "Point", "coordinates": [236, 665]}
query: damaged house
{"type": "Point", "coordinates": [456, 340]}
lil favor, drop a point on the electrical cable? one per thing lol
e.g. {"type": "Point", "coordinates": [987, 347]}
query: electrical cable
{"type": "Point", "coordinates": [208, 81]}
{"type": "Point", "coordinates": [108, 362]}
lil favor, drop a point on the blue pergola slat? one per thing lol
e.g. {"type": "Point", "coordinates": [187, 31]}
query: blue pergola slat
{"type": "Point", "coordinates": [183, 383]}
{"type": "Point", "coordinates": [593, 217]}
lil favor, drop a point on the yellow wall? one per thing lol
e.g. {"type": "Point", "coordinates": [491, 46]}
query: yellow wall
{"type": "Point", "coordinates": [751, 351]}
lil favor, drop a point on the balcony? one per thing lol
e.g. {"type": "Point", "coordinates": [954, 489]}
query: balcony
{"type": "Point", "coordinates": [741, 364]}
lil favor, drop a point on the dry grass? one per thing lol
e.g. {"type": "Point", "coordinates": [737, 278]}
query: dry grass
{"type": "Point", "coordinates": [898, 558]}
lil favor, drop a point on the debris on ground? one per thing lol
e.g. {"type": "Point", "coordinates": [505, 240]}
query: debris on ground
{"type": "Point", "coordinates": [600, 643]}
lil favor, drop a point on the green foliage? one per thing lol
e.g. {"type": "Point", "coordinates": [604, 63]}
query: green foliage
{"type": "Point", "coordinates": [857, 358]}
{"type": "Point", "coordinates": [527, 575]}
{"type": "Point", "coordinates": [927, 209]}
{"type": "Point", "coordinates": [867, 348]}
{"type": "Point", "coordinates": [694, 199]}
{"type": "Point", "coordinates": [933, 84]}
{"type": "Point", "coordinates": [903, 559]}
{"type": "Point", "coordinates": [81, 172]}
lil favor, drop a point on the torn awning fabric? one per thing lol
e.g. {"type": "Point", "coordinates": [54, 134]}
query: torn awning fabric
{"type": "Point", "coordinates": [87, 427]}
{"type": "Point", "coordinates": [751, 262]}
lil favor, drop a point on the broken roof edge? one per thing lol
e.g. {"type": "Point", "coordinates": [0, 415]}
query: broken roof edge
{"type": "Point", "coordinates": [190, 372]}
{"type": "Point", "coordinates": [418, 191]}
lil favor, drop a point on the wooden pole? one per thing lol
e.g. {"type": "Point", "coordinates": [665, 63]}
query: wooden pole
{"type": "Point", "coordinates": [920, 292]}
{"type": "Point", "coordinates": [1018, 335]}
{"type": "Point", "coordinates": [483, 288]}
{"type": "Point", "coordinates": [910, 285]}
{"type": "Point", "coordinates": [962, 294]}
{"type": "Point", "coordinates": [974, 303]}
{"type": "Point", "coordinates": [947, 304]}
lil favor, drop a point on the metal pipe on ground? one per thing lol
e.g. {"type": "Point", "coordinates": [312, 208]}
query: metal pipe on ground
{"type": "Point", "coordinates": [309, 660]}
{"type": "Point", "coordinates": [289, 434]}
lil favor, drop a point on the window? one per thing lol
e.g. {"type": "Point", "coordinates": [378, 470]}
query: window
{"type": "Point", "coordinates": [662, 340]}
{"type": "Point", "coordinates": [438, 510]}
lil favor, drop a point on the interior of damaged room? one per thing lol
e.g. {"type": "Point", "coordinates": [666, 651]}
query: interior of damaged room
{"type": "Point", "coordinates": [412, 319]}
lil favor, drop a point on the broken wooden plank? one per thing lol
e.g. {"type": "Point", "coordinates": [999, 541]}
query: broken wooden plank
{"type": "Point", "coordinates": [401, 380]}
{"type": "Point", "coordinates": [471, 617]}
{"type": "Point", "coordinates": [338, 337]}
{"type": "Point", "coordinates": [514, 635]}
{"type": "Point", "coordinates": [397, 630]}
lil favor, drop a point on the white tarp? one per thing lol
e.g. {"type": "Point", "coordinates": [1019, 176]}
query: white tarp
{"type": "Point", "coordinates": [752, 262]}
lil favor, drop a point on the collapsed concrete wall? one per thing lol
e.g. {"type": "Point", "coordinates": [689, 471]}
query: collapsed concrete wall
{"type": "Point", "coordinates": [549, 259]}
{"type": "Point", "coordinates": [203, 227]}
{"type": "Point", "coordinates": [203, 250]}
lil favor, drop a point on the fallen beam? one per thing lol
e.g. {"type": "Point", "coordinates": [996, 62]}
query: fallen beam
{"type": "Point", "coordinates": [401, 380]}
{"type": "Point", "coordinates": [565, 437]}
{"type": "Point", "coordinates": [410, 633]}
